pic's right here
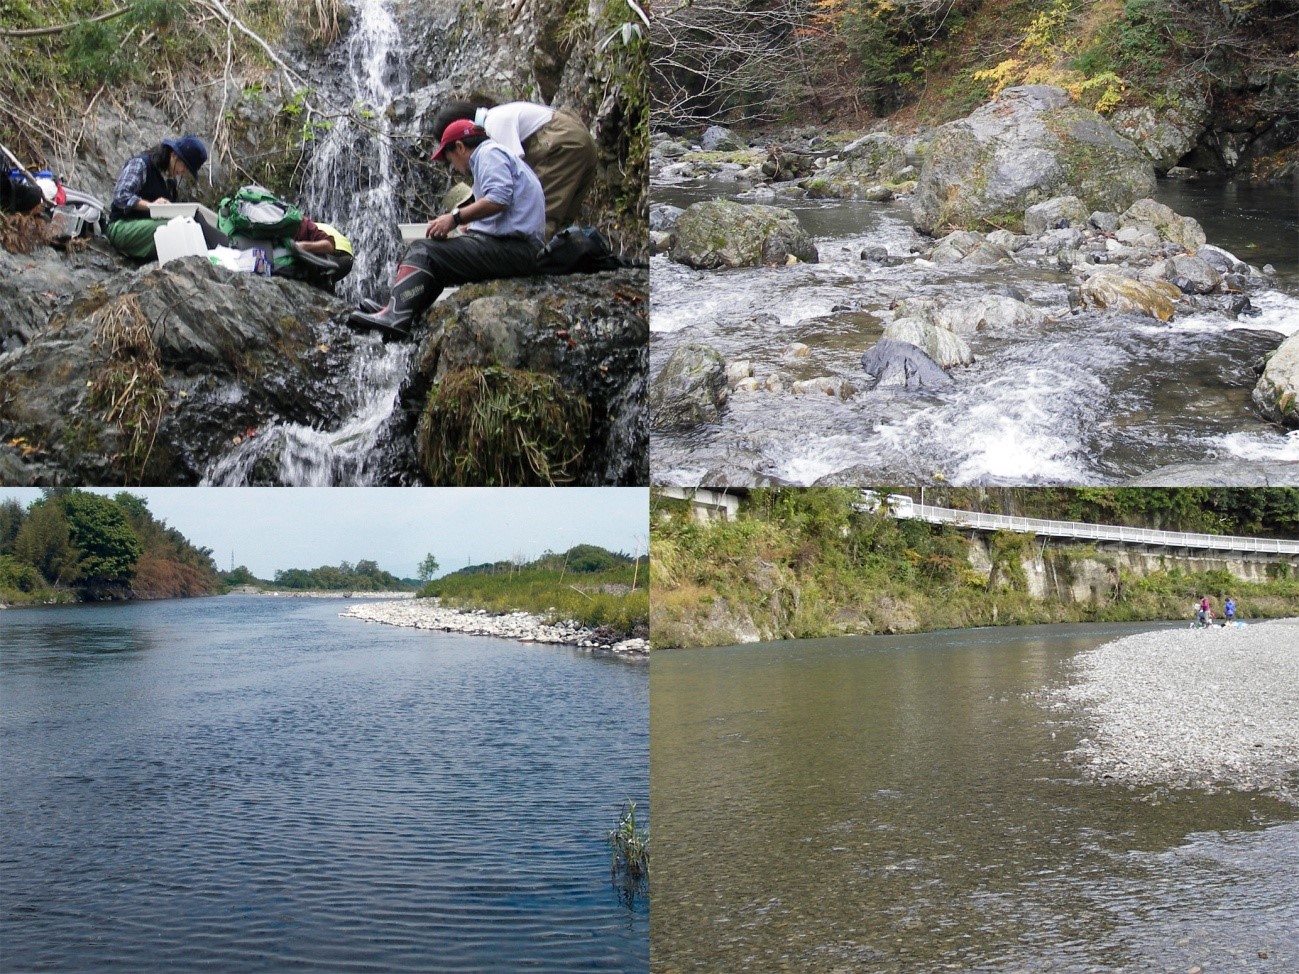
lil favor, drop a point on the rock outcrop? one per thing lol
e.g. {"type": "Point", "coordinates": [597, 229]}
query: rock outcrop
{"type": "Point", "coordinates": [691, 388]}
{"type": "Point", "coordinates": [1028, 145]}
{"type": "Point", "coordinates": [149, 375]}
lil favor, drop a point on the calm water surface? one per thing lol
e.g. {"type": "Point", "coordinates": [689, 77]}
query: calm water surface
{"type": "Point", "coordinates": [906, 804]}
{"type": "Point", "coordinates": [242, 784]}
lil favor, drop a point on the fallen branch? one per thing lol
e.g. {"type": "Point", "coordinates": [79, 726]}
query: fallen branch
{"type": "Point", "coordinates": [43, 31]}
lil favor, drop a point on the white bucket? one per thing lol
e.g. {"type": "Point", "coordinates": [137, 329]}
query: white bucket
{"type": "Point", "coordinates": [182, 237]}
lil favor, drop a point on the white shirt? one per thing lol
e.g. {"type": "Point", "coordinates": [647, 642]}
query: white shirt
{"type": "Point", "coordinates": [513, 123]}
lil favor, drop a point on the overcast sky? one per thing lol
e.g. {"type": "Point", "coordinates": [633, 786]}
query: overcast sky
{"type": "Point", "coordinates": [270, 528]}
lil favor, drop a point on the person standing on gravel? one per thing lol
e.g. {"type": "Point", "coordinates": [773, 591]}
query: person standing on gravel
{"type": "Point", "coordinates": [1206, 611]}
{"type": "Point", "coordinates": [1229, 611]}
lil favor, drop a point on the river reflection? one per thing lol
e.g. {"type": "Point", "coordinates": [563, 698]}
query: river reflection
{"type": "Point", "coordinates": [907, 804]}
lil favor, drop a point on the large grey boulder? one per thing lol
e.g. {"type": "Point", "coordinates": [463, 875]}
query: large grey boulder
{"type": "Point", "coordinates": [859, 168]}
{"type": "Point", "coordinates": [690, 389]}
{"type": "Point", "coordinates": [719, 139]}
{"type": "Point", "coordinates": [722, 233]}
{"type": "Point", "coordinates": [1277, 392]}
{"type": "Point", "coordinates": [901, 365]}
{"type": "Point", "coordinates": [1028, 145]}
{"type": "Point", "coordinates": [1055, 212]}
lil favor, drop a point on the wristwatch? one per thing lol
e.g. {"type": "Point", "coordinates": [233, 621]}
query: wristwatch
{"type": "Point", "coordinates": [455, 216]}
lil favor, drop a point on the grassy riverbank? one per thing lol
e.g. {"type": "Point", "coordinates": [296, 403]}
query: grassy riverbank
{"type": "Point", "coordinates": [801, 564]}
{"type": "Point", "coordinates": [594, 587]}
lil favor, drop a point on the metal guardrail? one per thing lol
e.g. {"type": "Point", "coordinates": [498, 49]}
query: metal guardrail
{"type": "Point", "coordinates": [1095, 532]}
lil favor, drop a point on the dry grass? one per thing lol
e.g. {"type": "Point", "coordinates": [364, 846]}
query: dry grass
{"type": "Point", "coordinates": [128, 388]}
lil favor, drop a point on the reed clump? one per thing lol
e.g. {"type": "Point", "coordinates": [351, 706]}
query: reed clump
{"type": "Point", "coordinates": [629, 845]}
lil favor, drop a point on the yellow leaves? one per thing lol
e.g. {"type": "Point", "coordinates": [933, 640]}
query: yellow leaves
{"type": "Point", "coordinates": [1006, 73]}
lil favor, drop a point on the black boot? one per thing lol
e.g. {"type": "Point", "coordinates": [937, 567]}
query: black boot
{"type": "Point", "coordinates": [412, 292]}
{"type": "Point", "coordinates": [370, 307]}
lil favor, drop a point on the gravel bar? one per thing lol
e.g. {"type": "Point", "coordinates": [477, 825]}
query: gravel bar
{"type": "Point", "coordinates": [1201, 708]}
{"type": "Point", "coordinates": [523, 626]}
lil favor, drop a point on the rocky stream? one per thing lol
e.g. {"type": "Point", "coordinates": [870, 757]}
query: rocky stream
{"type": "Point", "coordinates": [1013, 298]}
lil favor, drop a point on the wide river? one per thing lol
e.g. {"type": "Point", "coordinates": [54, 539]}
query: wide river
{"type": "Point", "coordinates": [908, 804]}
{"type": "Point", "coordinates": [1091, 398]}
{"type": "Point", "coordinates": [253, 784]}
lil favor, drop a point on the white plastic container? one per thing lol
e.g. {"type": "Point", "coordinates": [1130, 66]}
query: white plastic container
{"type": "Point", "coordinates": [410, 232]}
{"type": "Point", "coordinates": [182, 237]}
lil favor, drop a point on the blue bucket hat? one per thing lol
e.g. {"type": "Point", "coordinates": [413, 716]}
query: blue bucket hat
{"type": "Point", "coordinates": [191, 150]}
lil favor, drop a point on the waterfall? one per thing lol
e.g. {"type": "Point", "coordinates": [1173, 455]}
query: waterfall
{"type": "Point", "coordinates": [351, 183]}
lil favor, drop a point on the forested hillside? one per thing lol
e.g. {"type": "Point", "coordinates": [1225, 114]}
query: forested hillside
{"type": "Point", "coordinates": [801, 563]}
{"type": "Point", "coordinates": [71, 545]}
{"type": "Point", "coordinates": [822, 62]}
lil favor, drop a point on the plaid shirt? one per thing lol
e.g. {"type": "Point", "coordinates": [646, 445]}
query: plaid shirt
{"type": "Point", "coordinates": [139, 179]}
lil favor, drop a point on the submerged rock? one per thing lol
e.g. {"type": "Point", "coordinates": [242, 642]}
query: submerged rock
{"type": "Point", "coordinates": [721, 233]}
{"type": "Point", "coordinates": [1028, 145]}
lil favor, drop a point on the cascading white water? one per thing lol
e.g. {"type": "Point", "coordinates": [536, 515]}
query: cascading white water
{"type": "Point", "coordinates": [350, 181]}
{"type": "Point", "coordinates": [350, 185]}
{"type": "Point", "coordinates": [291, 454]}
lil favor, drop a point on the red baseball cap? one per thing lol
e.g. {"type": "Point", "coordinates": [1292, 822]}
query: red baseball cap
{"type": "Point", "coordinates": [456, 131]}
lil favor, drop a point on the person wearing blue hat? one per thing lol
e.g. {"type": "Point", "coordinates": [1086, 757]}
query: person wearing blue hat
{"type": "Point", "coordinates": [153, 177]}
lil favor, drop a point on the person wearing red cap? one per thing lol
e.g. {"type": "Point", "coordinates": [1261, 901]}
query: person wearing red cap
{"type": "Point", "coordinates": [555, 143]}
{"type": "Point", "coordinates": [502, 231]}
{"type": "Point", "coordinates": [153, 177]}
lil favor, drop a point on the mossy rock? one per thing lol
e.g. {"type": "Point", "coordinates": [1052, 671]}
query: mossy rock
{"type": "Point", "coordinates": [722, 233]}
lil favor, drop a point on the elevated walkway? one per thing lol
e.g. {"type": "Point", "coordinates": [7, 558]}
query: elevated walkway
{"type": "Point", "coordinates": [905, 507]}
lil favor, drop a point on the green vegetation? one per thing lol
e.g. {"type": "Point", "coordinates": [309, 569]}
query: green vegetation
{"type": "Point", "coordinates": [807, 563]}
{"type": "Point", "coordinates": [71, 545]}
{"type": "Point", "coordinates": [598, 588]}
{"type": "Point", "coordinates": [629, 845]}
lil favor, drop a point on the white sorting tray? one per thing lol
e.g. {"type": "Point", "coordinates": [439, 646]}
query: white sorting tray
{"type": "Point", "coordinates": [165, 211]}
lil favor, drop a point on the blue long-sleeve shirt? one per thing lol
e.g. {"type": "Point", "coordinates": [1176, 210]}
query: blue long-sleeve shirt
{"type": "Point", "coordinates": [507, 180]}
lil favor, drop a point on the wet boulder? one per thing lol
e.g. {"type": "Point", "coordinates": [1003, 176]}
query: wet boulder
{"type": "Point", "coordinates": [1052, 214]}
{"type": "Point", "coordinates": [991, 311]}
{"type": "Point", "coordinates": [1277, 392]}
{"type": "Point", "coordinates": [1191, 275]}
{"type": "Point", "coordinates": [722, 233]}
{"type": "Point", "coordinates": [149, 376]}
{"type": "Point", "coordinates": [1115, 291]}
{"type": "Point", "coordinates": [1184, 231]}
{"type": "Point", "coordinates": [1028, 145]}
{"type": "Point", "coordinates": [664, 216]}
{"type": "Point", "coordinates": [943, 346]}
{"type": "Point", "coordinates": [690, 389]}
{"type": "Point", "coordinates": [894, 364]}
{"type": "Point", "coordinates": [557, 365]}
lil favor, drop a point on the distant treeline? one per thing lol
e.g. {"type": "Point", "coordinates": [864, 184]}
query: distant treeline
{"type": "Point", "coordinates": [364, 576]}
{"type": "Point", "coordinates": [595, 586]}
{"type": "Point", "coordinates": [70, 545]}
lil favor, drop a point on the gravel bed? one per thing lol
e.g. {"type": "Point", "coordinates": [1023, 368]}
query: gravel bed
{"type": "Point", "coordinates": [523, 626]}
{"type": "Point", "coordinates": [1203, 708]}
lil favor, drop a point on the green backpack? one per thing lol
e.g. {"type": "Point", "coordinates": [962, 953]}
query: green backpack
{"type": "Point", "coordinates": [257, 213]}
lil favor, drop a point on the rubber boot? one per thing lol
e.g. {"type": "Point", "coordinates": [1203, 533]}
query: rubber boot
{"type": "Point", "coordinates": [412, 292]}
{"type": "Point", "coordinates": [370, 307]}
